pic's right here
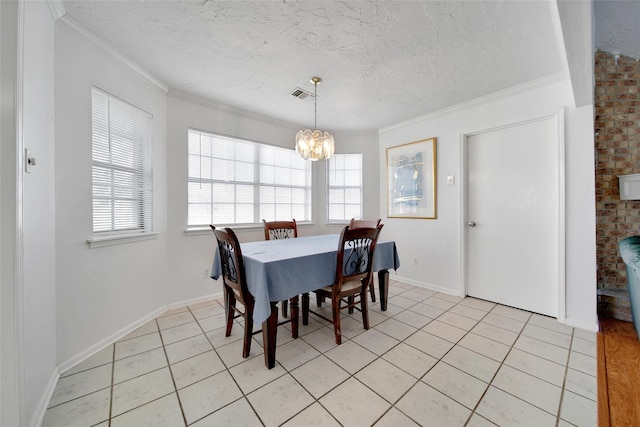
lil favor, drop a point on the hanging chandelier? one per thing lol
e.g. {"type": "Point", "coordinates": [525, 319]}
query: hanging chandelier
{"type": "Point", "coordinates": [315, 145]}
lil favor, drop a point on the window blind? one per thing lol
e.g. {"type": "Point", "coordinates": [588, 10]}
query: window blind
{"type": "Point", "coordinates": [344, 187]}
{"type": "Point", "coordinates": [122, 177]}
{"type": "Point", "coordinates": [232, 181]}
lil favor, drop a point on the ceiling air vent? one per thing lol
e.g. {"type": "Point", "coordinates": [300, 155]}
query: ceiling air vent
{"type": "Point", "coordinates": [300, 93]}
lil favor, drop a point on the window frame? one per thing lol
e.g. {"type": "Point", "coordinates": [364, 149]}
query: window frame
{"type": "Point", "coordinates": [256, 183]}
{"type": "Point", "coordinates": [329, 187]}
{"type": "Point", "coordinates": [106, 138]}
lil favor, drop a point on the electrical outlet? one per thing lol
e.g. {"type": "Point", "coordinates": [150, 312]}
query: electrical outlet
{"type": "Point", "coordinates": [205, 273]}
{"type": "Point", "coordinates": [415, 260]}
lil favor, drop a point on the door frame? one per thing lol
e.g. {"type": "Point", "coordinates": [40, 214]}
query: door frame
{"type": "Point", "coordinates": [12, 384]}
{"type": "Point", "coordinates": [560, 164]}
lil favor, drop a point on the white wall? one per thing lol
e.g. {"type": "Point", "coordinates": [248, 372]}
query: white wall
{"type": "Point", "coordinates": [38, 226]}
{"type": "Point", "coordinates": [10, 391]}
{"type": "Point", "coordinates": [92, 295]}
{"type": "Point", "coordinates": [100, 291]}
{"type": "Point", "coordinates": [190, 255]}
{"type": "Point", "coordinates": [365, 142]}
{"type": "Point", "coordinates": [439, 244]}
{"type": "Point", "coordinates": [580, 214]}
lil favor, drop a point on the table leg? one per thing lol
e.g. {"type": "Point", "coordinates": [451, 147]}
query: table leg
{"type": "Point", "coordinates": [295, 311]}
{"type": "Point", "coordinates": [383, 286]}
{"type": "Point", "coordinates": [269, 335]}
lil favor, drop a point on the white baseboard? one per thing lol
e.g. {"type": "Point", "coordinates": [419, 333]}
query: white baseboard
{"type": "Point", "coordinates": [587, 326]}
{"type": "Point", "coordinates": [193, 301]}
{"type": "Point", "coordinates": [38, 414]}
{"type": "Point", "coordinates": [425, 285]}
{"type": "Point", "coordinates": [575, 323]}
{"type": "Point", "coordinates": [65, 366]}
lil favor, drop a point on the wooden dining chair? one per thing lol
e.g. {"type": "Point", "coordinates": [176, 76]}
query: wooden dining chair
{"type": "Point", "coordinates": [274, 230]}
{"type": "Point", "coordinates": [353, 275]}
{"type": "Point", "coordinates": [366, 223]}
{"type": "Point", "coordinates": [280, 229]}
{"type": "Point", "coordinates": [235, 285]}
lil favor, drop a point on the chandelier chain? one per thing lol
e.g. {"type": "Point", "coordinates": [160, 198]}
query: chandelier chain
{"type": "Point", "coordinates": [315, 144]}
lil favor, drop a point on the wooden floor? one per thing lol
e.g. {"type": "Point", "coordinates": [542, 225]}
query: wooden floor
{"type": "Point", "coordinates": [618, 374]}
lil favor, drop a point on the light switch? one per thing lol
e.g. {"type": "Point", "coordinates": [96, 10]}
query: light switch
{"type": "Point", "coordinates": [29, 161]}
{"type": "Point", "coordinates": [451, 180]}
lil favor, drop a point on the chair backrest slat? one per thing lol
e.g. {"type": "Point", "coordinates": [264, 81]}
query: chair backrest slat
{"type": "Point", "coordinates": [274, 230]}
{"type": "Point", "coordinates": [355, 255]}
{"type": "Point", "coordinates": [233, 274]}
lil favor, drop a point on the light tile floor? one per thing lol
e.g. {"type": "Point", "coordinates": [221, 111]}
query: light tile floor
{"type": "Point", "coordinates": [431, 359]}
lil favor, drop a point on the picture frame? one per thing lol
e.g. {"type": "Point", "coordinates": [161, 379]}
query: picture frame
{"type": "Point", "coordinates": [411, 180]}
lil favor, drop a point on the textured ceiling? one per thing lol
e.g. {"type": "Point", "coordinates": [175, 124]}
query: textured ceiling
{"type": "Point", "coordinates": [618, 26]}
{"type": "Point", "coordinates": [381, 62]}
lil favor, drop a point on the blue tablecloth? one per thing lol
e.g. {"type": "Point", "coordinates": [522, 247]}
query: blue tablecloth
{"type": "Point", "coordinates": [277, 270]}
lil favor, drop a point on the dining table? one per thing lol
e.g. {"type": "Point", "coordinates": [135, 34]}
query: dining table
{"type": "Point", "coordinates": [279, 270]}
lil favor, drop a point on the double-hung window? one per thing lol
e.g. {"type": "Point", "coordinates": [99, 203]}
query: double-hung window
{"type": "Point", "coordinates": [344, 186]}
{"type": "Point", "coordinates": [233, 181]}
{"type": "Point", "coordinates": [121, 166]}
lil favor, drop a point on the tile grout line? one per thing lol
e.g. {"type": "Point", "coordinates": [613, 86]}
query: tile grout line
{"type": "Point", "coordinates": [564, 379]}
{"type": "Point", "coordinates": [438, 360]}
{"type": "Point", "coordinates": [473, 410]}
{"type": "Point", "coordinates": [490, 383]}
{"type": "Point", "coordinates": [418, 380]}
{"type": "Point", "coordinates": [227, 369]}
{"type": "Point", "coordinates": [173, 381]}
{"type": "Point", "coordinates": [322, 353]}
{"type": "Point", "coordinates": [532, 320]}
{"type": "Point", "coordinates": [511, 347]}
{"type": "Point", "coordinates": [113, 372]}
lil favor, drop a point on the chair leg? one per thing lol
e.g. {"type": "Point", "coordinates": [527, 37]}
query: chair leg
{"type": "Point", "coordinates": [231, 305]}
{"type": "Point", "coordinates": [350, 301]}
{"type": "Point", "coordinates": [248, 329]}
{"type": "Point", "coordinates": [372, 291]}
{"type": "Point", "coordinates": [364, 309]}
{"type": "Point", "coordinates": [225, 292]}
{"type": "Point", "coordinates": [335, 306]}
{"type": "Point", "coordinates": [305, 309]}
{"type": "Point", "coordinates": [319, 300]}
{"type": "Point", "coordinates": [285, 311]}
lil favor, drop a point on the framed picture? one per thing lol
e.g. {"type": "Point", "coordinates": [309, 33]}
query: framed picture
{"type": "Point", "coordinates": [411, 180]}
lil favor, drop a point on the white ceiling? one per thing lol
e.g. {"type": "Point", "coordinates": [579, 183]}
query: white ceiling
{"type": "Point", "coordinates": [618, 26]}
{"type": "Point", "coordinates": [381, 62]}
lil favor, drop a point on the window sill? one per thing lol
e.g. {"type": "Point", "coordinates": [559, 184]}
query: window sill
{"type": "Point", "coordinates": [99, 242]}
{"type": "Point", "coordinates": [198, 231]}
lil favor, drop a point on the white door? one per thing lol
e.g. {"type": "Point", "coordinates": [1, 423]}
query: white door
{"type": "Point", "coordinates": [513, 216]}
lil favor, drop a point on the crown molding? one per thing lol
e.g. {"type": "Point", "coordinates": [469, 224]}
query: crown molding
{"type": "Point", "coordinates": [496, 96]}
{"type": "Point", "coordinates": [56, 7]}
{"type": "Point", "coordinates": [211, 103]}
{"type": "Point", "coordinates": [87, 34]}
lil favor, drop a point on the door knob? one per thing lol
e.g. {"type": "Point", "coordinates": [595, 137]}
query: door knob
{"type": "Point", "coordinates": [471, 224]}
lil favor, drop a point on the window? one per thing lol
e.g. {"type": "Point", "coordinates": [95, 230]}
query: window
{"type": "Point", "coordinates": [344, 184]}
{"type": "Point", "coordinates": [232, 181]}
{"type": "Point", "coordinates": [121, 166]}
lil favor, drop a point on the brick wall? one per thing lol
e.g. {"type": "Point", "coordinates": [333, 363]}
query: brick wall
{"type": "Point", "coordinates": [617, 139]}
